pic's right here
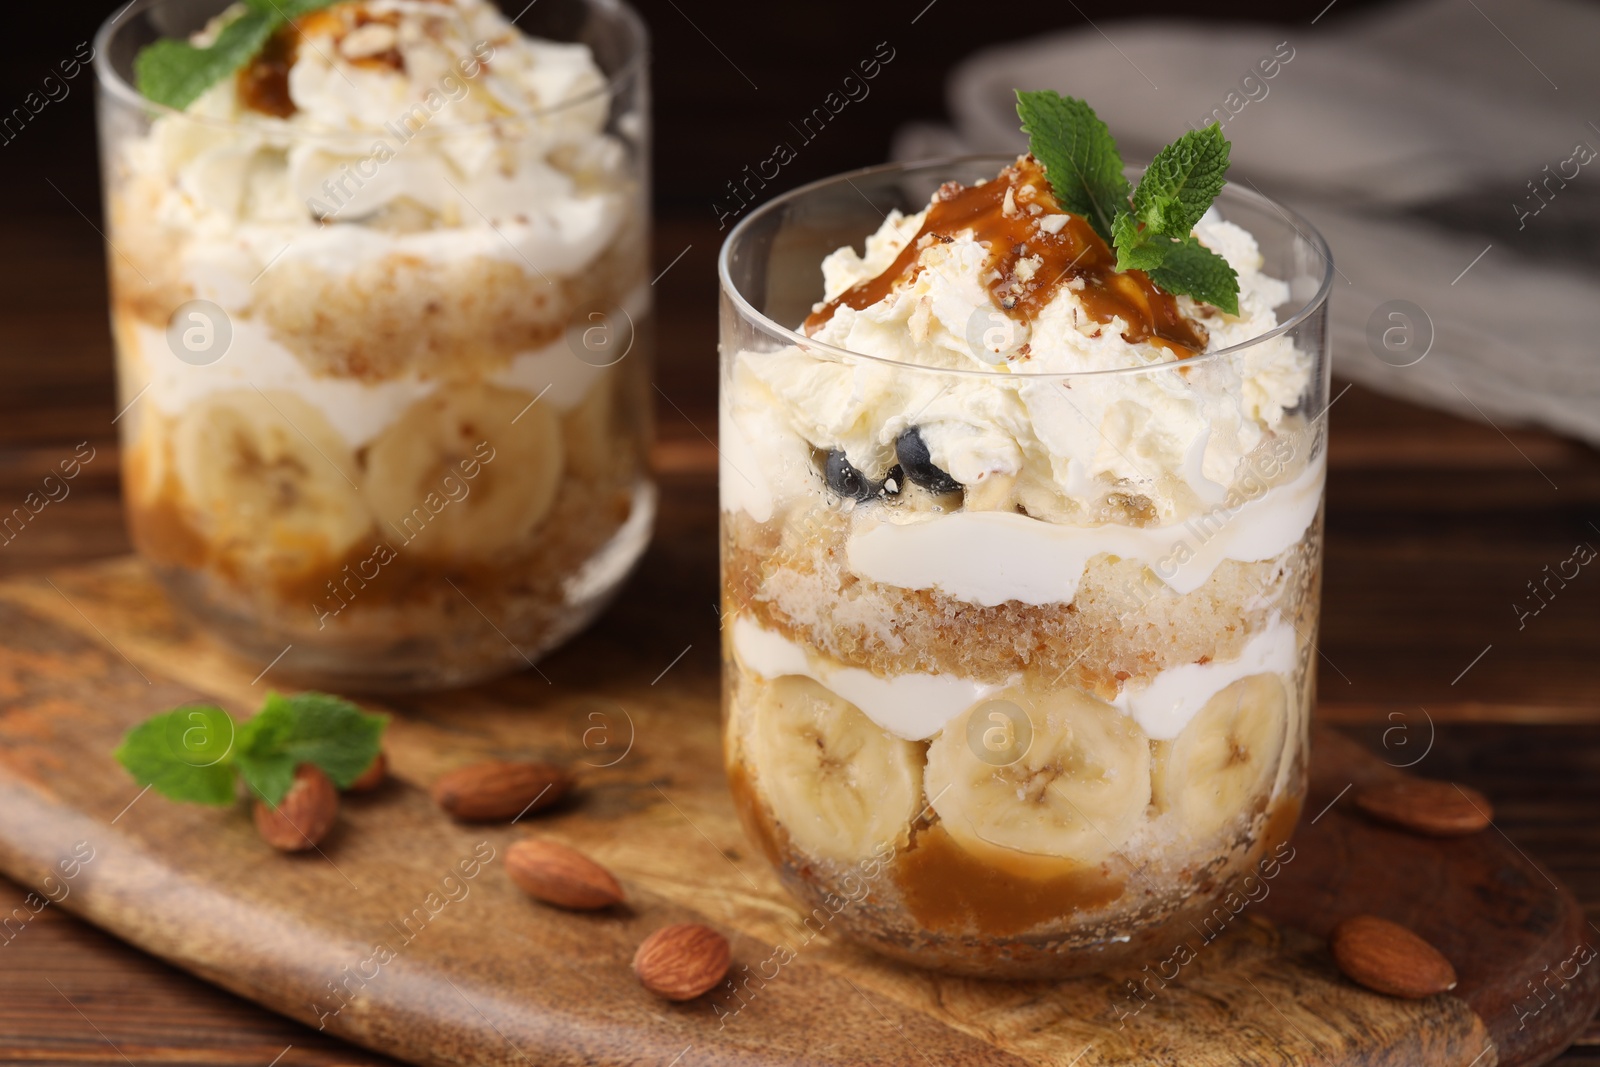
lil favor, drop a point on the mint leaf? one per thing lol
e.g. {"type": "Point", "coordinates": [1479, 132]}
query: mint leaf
{"type": "Point", "coordinates": [316, 728]}
{"type": "Point", "coordinates": [197, 753]}
{"type": "Point", "coordinates": [1136, 248]}
{"type": "Point", "coordinates": [1190, 267]}
{"type": "Point", "coordinates": [185, 754]}
{"type": "Point", "coordinates": [1176, 190]}
{"type": "Point", "coordinates": [1079, 156]}
{"type": "Point", "coordinates": [177, 73]}
{"type": "Point", "coordinates": [289, 9]}
{"type": "Point", "coordinates": [1181, 182]}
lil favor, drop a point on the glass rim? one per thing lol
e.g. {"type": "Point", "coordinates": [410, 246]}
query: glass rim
{"type": "Point", "coordinates": [114, 83]}
{"type": "Point", "coordinates": [1296, 221]}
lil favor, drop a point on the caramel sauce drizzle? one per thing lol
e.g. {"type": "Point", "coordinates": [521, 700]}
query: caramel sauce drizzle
{"type": "Point", "coordinates": [264, 81]}
{"type": "Point", "coordinates": [1029, 264]}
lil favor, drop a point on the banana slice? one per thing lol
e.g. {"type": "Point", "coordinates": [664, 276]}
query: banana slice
{"type": "Point", "coordinates": [468, 470]}
{"type": "Point", "coordinates": [1077, 793]}
{"type": "Point", "coordinates": [1225, 757]}
{"type": "Point", "coordinates": [838, 783]}
{"type": "Point", "coordinates": [272, 481]}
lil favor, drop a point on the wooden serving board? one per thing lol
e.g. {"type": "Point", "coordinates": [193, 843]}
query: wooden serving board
{"type": "Point", "coordinates": [474, 973]}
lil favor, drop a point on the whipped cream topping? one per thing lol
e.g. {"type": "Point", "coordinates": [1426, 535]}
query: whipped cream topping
{"type": "Point", "coordinates": [1175, 434]}
{"type": "Point", "coordinates": [437, 124]}
{"type": "Point", "coordinates": [762, 459]}
{"type": "Point", "coordinates": [917, 706]}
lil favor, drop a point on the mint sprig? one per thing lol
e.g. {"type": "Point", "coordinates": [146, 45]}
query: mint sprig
{"type": "Point", "coordinates": [1190, 267]}
{"type": "Point", "coordinates": [177, 73]}
{"type": "Point", "coordinates": [198, 753]}
{"type": "Point", "coordinates": [316, 728]}
{"type": "Point", "coordinates": [1177, 188]}
{"type": "Point", "coordinates": [1151, 230]}
{"type": "Point", "coordinates": [1079, 156]}
{"type": "Point", "coordinates": [184, 753]}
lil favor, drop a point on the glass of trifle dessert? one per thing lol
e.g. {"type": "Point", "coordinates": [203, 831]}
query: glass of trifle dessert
{"type": "Point", "coordinates": [380, 302]}
{"type": "Point", "coordinates": [1021, 546]}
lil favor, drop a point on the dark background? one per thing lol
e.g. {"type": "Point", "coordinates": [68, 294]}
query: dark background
{"type": "Point", "coordinates": [709, 120]}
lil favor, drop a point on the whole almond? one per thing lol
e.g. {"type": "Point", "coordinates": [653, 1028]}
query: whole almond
{"type": "Point", "coordinates": [496, 790]}
{"type": "Point", "coordinates": [1438, 809]}
{"type": "Point", "coordinates": [371, 778]}
{"type": "Point", "coordinates": [681, 962]}
{"type": "Point", "coordinates": [1387, 958]}
{"type": "Point", "coordinates": [562, 876]}
{"type": "Point", "coordinates": [304, 817]}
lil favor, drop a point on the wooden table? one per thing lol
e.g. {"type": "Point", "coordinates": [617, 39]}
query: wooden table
{"type": "Point", "coordinates": [1435, 527]}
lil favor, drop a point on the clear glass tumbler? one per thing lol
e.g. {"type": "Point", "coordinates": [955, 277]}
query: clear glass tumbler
{"type": "Point", "coordinates": [382, 323]}
{"type": "Point", "coordinates": [1018, 665]}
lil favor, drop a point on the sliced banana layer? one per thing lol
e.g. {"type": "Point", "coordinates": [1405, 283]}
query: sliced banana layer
{"type": "Point", "coordinates": [1077, 793]}
{"type": "Point", "coordinates": [417, 470]}
{"type": "Point", "coordinates": [272, 480]}
{"type": "Point", "coordinates": [1225, 758]}
{"type": "Point", "coordinates": [837, 782]}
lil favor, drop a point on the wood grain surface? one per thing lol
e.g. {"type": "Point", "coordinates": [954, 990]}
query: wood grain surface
{"type": "Point", "coordinates": [474, 973]}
